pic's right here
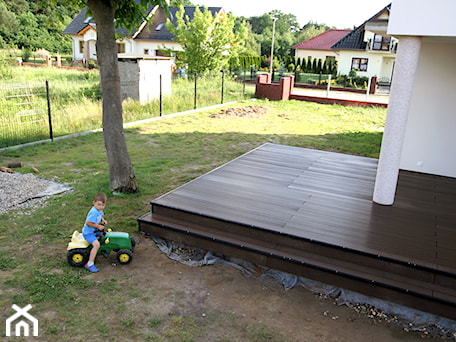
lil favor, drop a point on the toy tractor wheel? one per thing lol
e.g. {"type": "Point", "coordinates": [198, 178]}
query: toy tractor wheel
{"type": "Point", "coordinates": [78, 257]}
{"type": "Point", "coordinates": [124, 256]}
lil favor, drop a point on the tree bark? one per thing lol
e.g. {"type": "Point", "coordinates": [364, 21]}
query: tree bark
{"type": "Point", "coordinates": [121, 174]}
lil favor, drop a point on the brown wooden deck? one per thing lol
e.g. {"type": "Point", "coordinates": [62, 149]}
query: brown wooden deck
{"type": "Point", "coordinates": [311, 213]}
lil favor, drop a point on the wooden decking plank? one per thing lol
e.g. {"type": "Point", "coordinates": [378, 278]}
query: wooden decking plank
{"type": "Point", "coordinates": [365, 272]}
{"type": "Point", "coordinates": [327, 197]}
{"type": "Point", "coordinates": [216, 189]}
{"type": "Point", "coordinates": [273, 212]}
{"type": "Point", "coordinates": [347, 238]}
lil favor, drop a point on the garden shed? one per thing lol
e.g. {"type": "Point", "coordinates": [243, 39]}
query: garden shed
{"type": "Point", "coordinates": [143, 78]}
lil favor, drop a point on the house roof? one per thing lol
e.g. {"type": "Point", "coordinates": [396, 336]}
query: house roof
{"type": "Point", "coordinates": [355, 39]}
{"type": "Point", "coordinates": [154, 30]}
{"type": "Point", "coordinates": [323, 41]}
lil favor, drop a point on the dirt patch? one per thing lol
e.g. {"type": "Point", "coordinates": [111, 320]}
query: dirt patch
{"type": "Point", "coordinates": [206, 292]}
{"type": "Point", "coordinates": [244, 112]}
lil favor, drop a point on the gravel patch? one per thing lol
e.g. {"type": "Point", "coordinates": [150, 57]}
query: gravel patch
{"type": "Point", "coordinates": [22, 190]}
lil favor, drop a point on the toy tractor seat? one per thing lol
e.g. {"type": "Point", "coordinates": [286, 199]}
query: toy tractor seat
{"type": "Point", "coordinates": [77, 241]}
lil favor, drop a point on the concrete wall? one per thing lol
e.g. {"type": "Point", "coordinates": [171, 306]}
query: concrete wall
{"type": "Point", "coordinates": [431, 128]}
{"type": "Point", "coordinates": [414, 18]}
{"type": "Point", "coordinates": [149, 82]}
{"type": "Point", "coordinates": [140, 78]}
{"type": "Point", "coordinates": [129, 79]}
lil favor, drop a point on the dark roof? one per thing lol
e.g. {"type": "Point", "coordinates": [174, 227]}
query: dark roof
{"type": "Point", "coordinates": [156, 30]}
{"type": "Point", "coordinates": [147, 32]}
{"type": "Point", "coordinates": [355, 39]}
{"type": "Point", "coordinates": [78, 23]}
{"type": "Point", "coordinates": [323, 41]}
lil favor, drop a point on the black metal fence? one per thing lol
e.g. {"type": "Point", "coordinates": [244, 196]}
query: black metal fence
{"type": "Point", "coordinates": [44, 110]}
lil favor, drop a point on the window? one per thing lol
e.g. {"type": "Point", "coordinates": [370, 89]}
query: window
{"type": "Point", "coordinates": [81, 46]}
{"type": "Point", "coordinates": [159, 26]}
{"type": "Point", "coordinates": [359, 64]}
{"type": "Point", "coordinates": [146, 51]}
{"type": "Point", "coordinates": [381, 43]}
{"type": "Point", "coordinates": [120, 47]}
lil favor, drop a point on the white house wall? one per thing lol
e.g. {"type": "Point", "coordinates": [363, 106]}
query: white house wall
{"type": "Point", "coordinates": [412, 18]}
{"type": "Point", "coordinates": [149, 81]}
{"type": "Point", "coordinates": [377, 65]}
{"type": "Point", "coordinates": [318, 54]}
{"type": "Point", "coordinates": [75, 41]}
{"type": "Point", "coordinates": [430, 136]}
{"type": "Point", "coordinates": [136, 47]}
{"type": "Point", "coordinates": [141, 45]}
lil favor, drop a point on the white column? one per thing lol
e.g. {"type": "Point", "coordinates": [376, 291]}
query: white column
{"type": "Point", "coordinates": [396, 119]}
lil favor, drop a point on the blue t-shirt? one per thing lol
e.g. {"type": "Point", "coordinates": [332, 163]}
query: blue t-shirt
{"type": "Point", "coordinates": [93, 216]}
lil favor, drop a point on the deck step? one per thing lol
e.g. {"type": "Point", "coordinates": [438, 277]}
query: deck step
{"type": "Point", "coordinates": [406, 283]}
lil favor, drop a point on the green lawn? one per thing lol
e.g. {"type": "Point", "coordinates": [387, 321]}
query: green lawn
{"type": "Point", "coordinates": [165, 154]}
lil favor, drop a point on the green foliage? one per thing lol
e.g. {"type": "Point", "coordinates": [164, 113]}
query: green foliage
{"type": "Point", "coordinates": [207, 39]}
{"type": "Point", "coordinates": [5, 70]}
{"type": "Point", "coordinates": [310, 30]}
{"type": "Point", "coordinates": [245, 62]}
{"type": "Point", "coordinates": [286, 27]}
{"type": "Point", "coordinates": [35, 24]}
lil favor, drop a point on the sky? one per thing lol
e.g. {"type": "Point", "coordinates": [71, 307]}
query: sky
{"type": "Point", "coordinates": [339, 13]}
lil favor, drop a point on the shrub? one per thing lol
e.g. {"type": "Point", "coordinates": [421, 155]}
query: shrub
{"type": "Point", "coordinates": [5, 70]}
{"type": "Point", "coordinates": [26, 55]}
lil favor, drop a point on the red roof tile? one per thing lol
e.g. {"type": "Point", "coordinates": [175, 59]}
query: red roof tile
{"type": "Point", "coordinates": [323, 41]}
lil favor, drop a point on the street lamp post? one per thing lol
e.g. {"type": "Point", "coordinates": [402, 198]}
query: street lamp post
{"type": "Point", "coordinates": [274, 19]}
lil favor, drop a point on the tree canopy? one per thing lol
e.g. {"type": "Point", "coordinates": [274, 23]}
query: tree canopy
{"type": "Point", "coordinates": [33, 24]}
{"type": "Point", "coordinates": [30, 24]}
{"type": "Point", "coordinates": [208, 39]}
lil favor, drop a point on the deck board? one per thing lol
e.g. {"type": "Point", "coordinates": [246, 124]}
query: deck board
{"type": "Point", "coordinates": [327, 197]}
{"type": "Point", "coordinates": [311, 213]}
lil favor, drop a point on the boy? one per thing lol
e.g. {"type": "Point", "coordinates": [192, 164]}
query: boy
{"type": "Point", "coordinates": [93, 227]}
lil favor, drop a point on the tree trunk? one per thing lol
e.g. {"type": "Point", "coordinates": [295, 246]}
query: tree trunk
{"type": "Point", "coordinates": [121, 175]}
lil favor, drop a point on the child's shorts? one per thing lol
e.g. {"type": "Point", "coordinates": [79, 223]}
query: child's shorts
{"type": "Point", "coordinates": [91, 237]}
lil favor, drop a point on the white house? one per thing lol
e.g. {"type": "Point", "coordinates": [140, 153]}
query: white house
{"type": "Point", "coordinates": [421, 119]}
{"type": "Point", "coordinates": [319, 47]}
{"type": "Point", "coordinates": [150, 38]}
{"type": "Point", "coordinates": [368, 49]}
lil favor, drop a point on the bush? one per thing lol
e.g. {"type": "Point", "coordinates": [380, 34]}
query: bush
{"type": "Point", "coordinates": [360, 82]}
{"type": "Point", "coordinates": [26, 55]}
{"type": "Point", "coordinates": [5, 70]}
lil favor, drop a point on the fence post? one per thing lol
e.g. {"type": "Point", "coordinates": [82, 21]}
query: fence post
{"type": "Point", "coordinates": [243, 86]}
{"type": "Point", "coordinates": [51, 135]}
{"type": "Point", "coordinates": [194, 96]}
{"type": "Point", "coordinates": [223, 84]}
{"type": "Point", "coordinates": [328, 88]}
{"type": "Point", "coordinates": [161, 98]}
{"type": "Point", "coordinates": [368, 88]}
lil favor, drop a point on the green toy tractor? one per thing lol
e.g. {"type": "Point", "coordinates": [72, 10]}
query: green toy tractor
{"type": "Point", "coordinates": [79, 248]}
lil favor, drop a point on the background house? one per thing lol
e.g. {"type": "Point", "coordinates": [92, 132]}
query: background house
{"type": "Point", "coordinates": [150, 38]}
{"type": "Point", "coordinates": [419, 132]}
{"type": "Point", "coordinates": [368, 49]}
